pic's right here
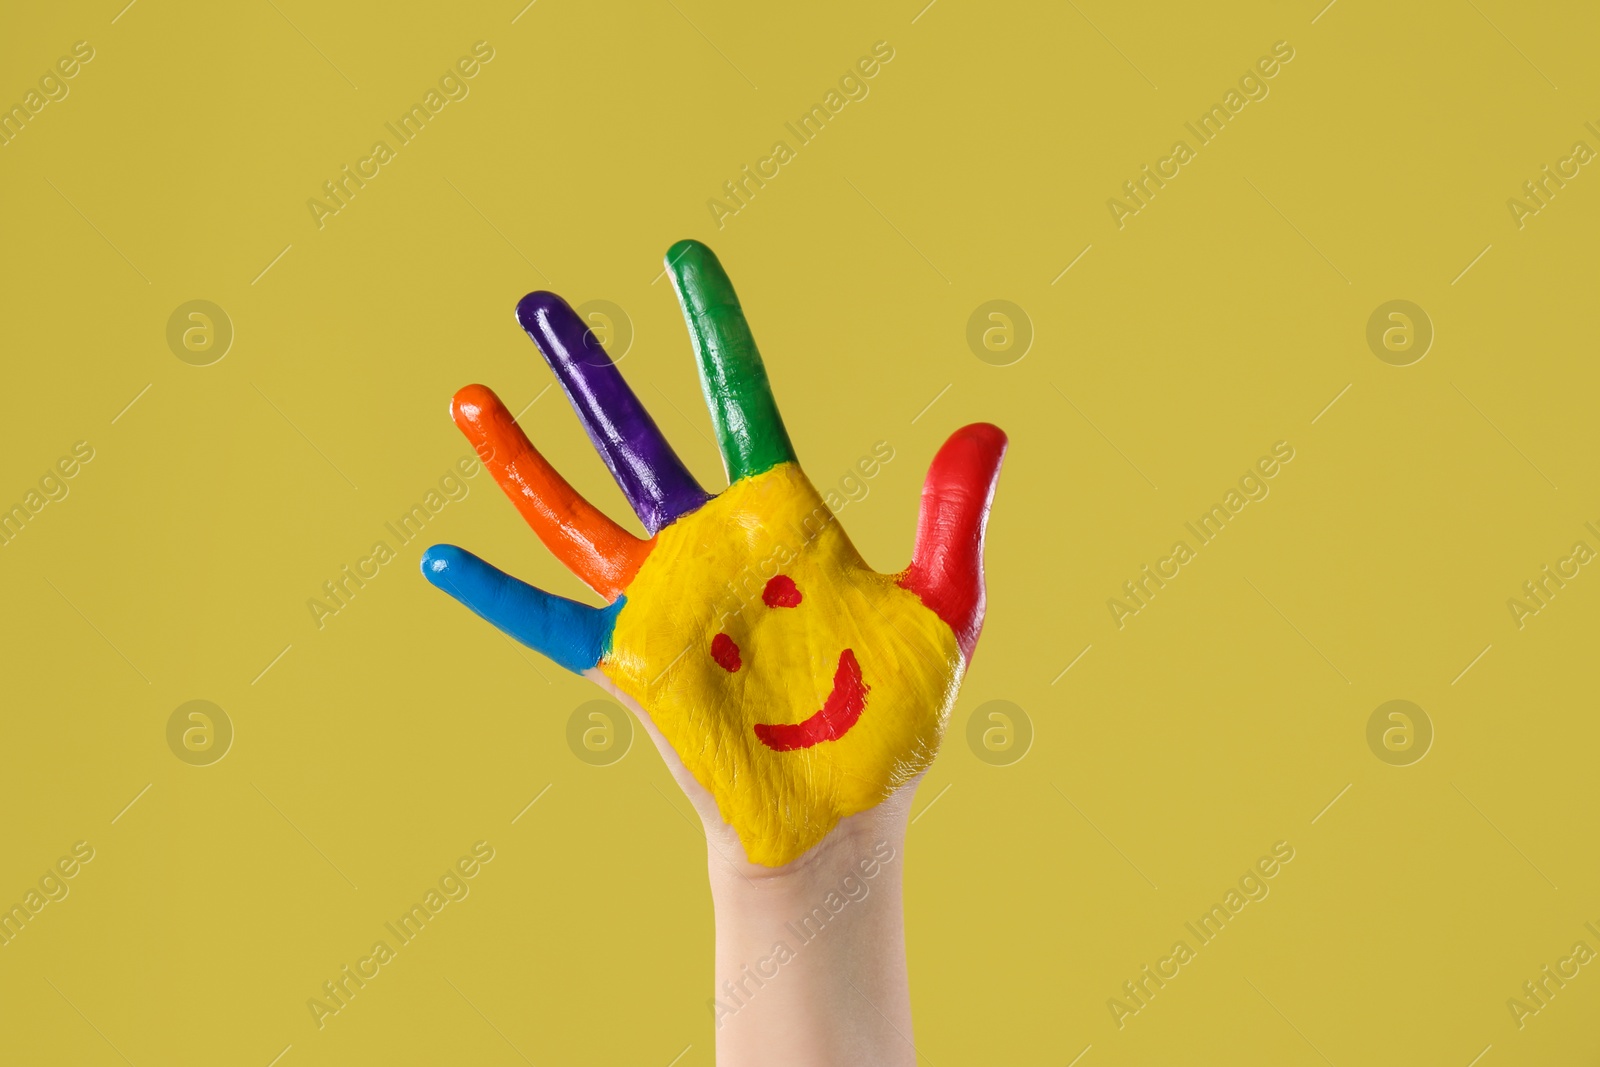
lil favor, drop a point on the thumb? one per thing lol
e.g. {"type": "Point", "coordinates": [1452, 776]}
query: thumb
{"type": "Point", "coordinates": [946, 569]}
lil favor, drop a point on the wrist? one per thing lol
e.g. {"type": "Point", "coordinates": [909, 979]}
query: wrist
{"type": "Point", "coordinates": [861, 845]}
{"type": "Point", "coordinates": [822, 935]}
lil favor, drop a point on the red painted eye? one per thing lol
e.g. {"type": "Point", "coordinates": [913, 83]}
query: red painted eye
{"type": "Point", "coordinates": [725, 652]}
{"type": "Point", "coordinates": [781, 593]}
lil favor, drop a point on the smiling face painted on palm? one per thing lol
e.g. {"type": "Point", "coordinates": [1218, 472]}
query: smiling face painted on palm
{"type": "Point", "coordinates": [797, 685]}
{"type": "Point", "coordinates": [826, 704]}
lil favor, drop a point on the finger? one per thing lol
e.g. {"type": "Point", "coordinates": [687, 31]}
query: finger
{"type": "Point", "coordinates": [593, 547]}
{"type": "Point", "coordinates": [574, 635]}
{"type": "Point", "coordinates": [750, 431]}
{"type": "Point", "coordinates": [946, 569]}
{"type": "Point", "coordinates": [655, 481]}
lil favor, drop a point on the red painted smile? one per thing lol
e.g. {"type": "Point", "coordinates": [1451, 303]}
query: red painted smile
{"type": "Point", "coordinates": [838, 714]}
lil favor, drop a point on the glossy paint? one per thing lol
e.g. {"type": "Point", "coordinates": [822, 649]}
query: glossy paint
{"type": "Point", "coordinates": [597, 550]}
{"type": "Point", "coordinates": [797, 685]}
{"type": "Point", "coordinates": [833, 720]}
{"type": "Point", "coordinates": [574, 635]}
{"type": "Point", "coordinates": [947, 563]}
{"type": "Point", "coordinates": [750, 432]}
{"type": "Point", "coordinates": [657, 484]}
{"type": "Point", "coordinates": [885, 724]}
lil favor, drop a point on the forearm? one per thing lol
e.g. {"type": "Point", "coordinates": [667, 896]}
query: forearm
{"type": "Point", "coordinates": [811, 963]}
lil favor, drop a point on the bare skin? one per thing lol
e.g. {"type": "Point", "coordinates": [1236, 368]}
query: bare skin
{"type": "Point", "coordinates": [810, 950]}
{"type": "Point", "coordinates": [837, 991]}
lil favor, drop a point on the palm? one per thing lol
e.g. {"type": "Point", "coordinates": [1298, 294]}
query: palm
{"type": "Point", "coordinates": [796, 685]}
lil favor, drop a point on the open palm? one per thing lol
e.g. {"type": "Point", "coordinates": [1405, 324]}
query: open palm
{"type": "Point", "coordinates": [795, 685]}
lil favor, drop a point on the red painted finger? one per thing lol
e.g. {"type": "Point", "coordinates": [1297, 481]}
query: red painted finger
{"type": "Point", "coordinates": [946, 569]}
{"type": "Point", "coordinates": [593, 547]}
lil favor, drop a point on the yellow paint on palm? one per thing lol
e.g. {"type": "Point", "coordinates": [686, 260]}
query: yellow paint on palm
{"type": "Point", "coordinates": [790, 663]}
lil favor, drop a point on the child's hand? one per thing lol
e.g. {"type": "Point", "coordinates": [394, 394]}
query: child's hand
{"type": "Point", "coordinates": [794, 683]}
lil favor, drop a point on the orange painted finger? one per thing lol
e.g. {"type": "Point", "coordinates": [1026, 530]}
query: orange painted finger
{"type": "Point", "coordinates": [593, 547]}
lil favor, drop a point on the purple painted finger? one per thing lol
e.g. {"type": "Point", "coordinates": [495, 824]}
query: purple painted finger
{"type": "Point", "coordinates": [652, 477]}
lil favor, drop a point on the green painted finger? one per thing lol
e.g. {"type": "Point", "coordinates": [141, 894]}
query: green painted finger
{"type": "Point", "coordinates": [749, 429]}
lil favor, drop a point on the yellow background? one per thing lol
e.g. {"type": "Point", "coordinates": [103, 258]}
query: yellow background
{"type": "Point", "coordinates": [1221, 319]}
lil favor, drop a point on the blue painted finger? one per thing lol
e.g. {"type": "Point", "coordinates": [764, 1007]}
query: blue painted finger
{"type": "Point", "coordinates": [574, 635]}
